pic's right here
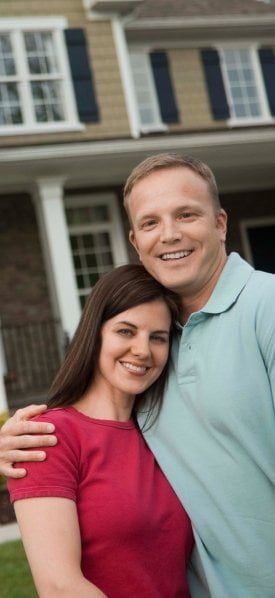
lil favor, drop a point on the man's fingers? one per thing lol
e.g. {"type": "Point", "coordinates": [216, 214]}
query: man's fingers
{"type": "Point", "coordinates": [28, 412]}
{"type": "Point", "coordinates": [10, 472]}
{"type": "Point", "coordinates": [17, 428]}
{"type": "Point", "coordinates": [26, 441]}
{"type": "Point", "coordinates": [19, 456]}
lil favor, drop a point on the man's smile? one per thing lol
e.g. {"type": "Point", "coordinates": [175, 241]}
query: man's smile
{"type": "Point", "coordinates": [176, 255]}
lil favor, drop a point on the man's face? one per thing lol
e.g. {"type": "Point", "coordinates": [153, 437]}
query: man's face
{"type": "Point", "coordinates": [177, 231]}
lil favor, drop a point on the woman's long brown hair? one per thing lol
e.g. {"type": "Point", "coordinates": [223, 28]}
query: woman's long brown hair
{"type": "Point", "coordinates": [123, 288]}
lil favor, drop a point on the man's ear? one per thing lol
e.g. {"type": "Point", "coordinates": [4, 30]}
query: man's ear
{"type": "Point", "coordinates": [133, 242]}
{"type": "Point", "coordinates": [221, 223]}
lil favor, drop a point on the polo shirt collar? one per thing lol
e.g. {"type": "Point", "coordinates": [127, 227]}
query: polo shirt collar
{"type": "Point", "coordinates": [232, 280]}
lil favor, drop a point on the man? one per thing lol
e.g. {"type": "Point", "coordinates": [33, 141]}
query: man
{"type": "Point", "coordinates": [215, 436]}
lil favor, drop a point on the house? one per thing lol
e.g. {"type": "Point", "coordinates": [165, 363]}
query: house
{"type": "Point", "coordinates": [88, 88]}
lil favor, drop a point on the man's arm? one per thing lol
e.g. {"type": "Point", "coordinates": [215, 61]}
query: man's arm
{"type": "Point", "coordinates": [51, 538]}
{"type": "Point", "coordinates": [18, 435]}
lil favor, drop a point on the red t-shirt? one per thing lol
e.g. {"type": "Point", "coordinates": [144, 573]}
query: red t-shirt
{"type": "Point", "coordinates": [136, 536]}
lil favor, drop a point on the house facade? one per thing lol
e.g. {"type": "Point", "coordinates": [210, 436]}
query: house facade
{"type": "Point", "coordinates": [88, 91]}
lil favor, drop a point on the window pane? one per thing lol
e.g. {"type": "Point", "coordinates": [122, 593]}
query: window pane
{"type": "Point", "coordinates": [244, 95]}
{"type": "Point", "coordinates": [5, 44]}
{"type": "Point", "coordinates": [40, 53]}
{"type": "Point", "coordinates": [41, 114]}
{"type": "Point", "coordinates": [99, 213]}
{"type": "Point", "coordinates": [7, 64]}
{"type": "Point", "coordinates": [46, 101]}
{"type": "Point", "coordinates": [10, 110]}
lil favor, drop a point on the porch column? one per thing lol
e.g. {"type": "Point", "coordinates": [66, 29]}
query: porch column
{"type": "Point", "coordinates": [57, 252]}
{"type": "Point", "coordinates": [3, 396]}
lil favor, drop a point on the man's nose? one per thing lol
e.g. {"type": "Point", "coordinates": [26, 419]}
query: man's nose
{"type": "Point", "coordinates": [170, 232]}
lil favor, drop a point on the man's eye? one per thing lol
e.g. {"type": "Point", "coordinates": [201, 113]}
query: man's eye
{"type": "Point", "coordinates": [185, 215]}
{"type": "Point", "coordinates": [148, 224]}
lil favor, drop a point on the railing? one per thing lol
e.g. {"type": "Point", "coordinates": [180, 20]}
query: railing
{"type": "Point", "coordinates": [33, 352]}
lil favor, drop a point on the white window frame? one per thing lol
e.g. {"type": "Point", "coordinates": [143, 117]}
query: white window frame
{"type": "Point", "coordinates": [114, 227]}
{"type": "Point", "coordinates": [16, 28]}
{"type": "Point", "coordinates": [252, 223]}
{"type": "Point", "coordinates": [266, 117]}
{"type": "Point", "coordinates": [158, 124]}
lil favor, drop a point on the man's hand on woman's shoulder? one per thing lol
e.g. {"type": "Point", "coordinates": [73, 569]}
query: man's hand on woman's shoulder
{"type": "Point", "coordinates": [18, 435]}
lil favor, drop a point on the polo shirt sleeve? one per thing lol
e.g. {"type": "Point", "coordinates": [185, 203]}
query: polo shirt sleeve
{"type": "Point", "coordinates": [57, 476]}
{"type": "Point", "coordinates": [265, 329]}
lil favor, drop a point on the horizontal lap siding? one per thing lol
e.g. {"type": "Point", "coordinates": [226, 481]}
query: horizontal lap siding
{"type": "Point", "coordinates": [190, 88]}
{"type": "Point", "coordinates": [110, 97]}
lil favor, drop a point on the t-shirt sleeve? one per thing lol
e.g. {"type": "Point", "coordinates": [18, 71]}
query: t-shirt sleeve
{"type": "Point", "coordinates": [57, 476]}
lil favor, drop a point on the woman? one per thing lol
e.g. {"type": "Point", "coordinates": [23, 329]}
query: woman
{"type": "Point", "coordinates": [98, 517]}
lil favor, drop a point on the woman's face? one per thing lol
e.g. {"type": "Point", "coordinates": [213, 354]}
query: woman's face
{"type": "Point", "coordinates": [134, 348]}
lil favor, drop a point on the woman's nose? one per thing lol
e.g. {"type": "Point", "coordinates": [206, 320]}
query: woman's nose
{"type": "Point", "coordinates": [140, 347]}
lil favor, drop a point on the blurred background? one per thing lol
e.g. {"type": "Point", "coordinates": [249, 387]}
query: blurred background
{"type": "Point", "coordinates": [88, 88]}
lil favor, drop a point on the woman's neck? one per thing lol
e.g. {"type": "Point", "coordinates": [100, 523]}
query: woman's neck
{"type": "Point", "coordinates": [102, 402]}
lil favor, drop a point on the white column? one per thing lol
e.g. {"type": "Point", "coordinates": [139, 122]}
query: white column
{"type": "Point", "coordinates": [126, 76]}
{"type": "Point", "coordinates": [57, 252]}
{"type": "Point", "coordinates": [3, 395]}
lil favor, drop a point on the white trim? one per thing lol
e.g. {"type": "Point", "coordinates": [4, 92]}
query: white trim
{"type": "Point", "coordinates": [3, 369]}
{"type": "Point", "coordinates": [29, 23]}
{"type": "Point", "coordinates": [126, 76]}
{"type": "Point", "coordinates": [252, 223]}
{"type": "Point", "coordinates": [211, 139]}
{"type": "Point", "coordinates": [43, 129]}
{"type": "Point", "coordinates": [201, 22]}
{"type": "Point", "coordinates": [57, 253]}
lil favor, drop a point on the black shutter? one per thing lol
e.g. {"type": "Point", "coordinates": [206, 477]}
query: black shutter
{"type": "Point", "coordinates": [164, 87]}
{"type": "Point", "coordinates": [81, 75]}
{"type": "Point", "coordinates": [267, 60]}
{"type": "Point", "coordinates": [214, 80]}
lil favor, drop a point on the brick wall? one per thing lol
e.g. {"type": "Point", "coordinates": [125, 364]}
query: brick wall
{"type": "Point", "coordinates": [23, 286]}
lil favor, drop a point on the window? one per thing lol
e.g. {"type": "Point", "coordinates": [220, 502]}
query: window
{"type": "Point", "coordinates": [153, 87]}
{"type": "Point", "coordinates": [35, 86]}
{"type": "Point", "coordinates": [96, 238]}
{"type": "Point", "coordinates": [244, 85]}
{"type": "Point", "coordinates": [147, 102]}
{"type": "Point", "coordinates": [259, 242]}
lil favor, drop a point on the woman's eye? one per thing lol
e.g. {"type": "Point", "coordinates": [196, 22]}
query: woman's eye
{"type": "Point", "coordinates": [157, 338]}
{"type": "Point", "coordinates": [125, 332]}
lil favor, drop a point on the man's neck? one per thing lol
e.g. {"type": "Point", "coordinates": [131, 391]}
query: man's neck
{"type": "Point", "coordinates": [196, 302]}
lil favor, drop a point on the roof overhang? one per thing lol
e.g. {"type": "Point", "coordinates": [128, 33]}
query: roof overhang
{"type": "Point", "coordinates": [197, 28]}
{"type": "Point", "coordinates": [240, 159]}
{"type": "Point", "coordinates": [106, 7]}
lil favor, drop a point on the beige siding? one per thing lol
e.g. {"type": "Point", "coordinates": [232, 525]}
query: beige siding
{"type": "Point", "coordinates": [191, 92]}
{"type": "Point", "coordinates": [113, 117]}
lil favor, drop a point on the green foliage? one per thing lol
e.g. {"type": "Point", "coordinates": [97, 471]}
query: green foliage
{"type": "Point", "coordinates": [15, 576]}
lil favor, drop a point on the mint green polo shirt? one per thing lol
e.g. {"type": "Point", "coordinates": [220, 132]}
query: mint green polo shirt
{"type": "Point", "coordinates": [215, 436]}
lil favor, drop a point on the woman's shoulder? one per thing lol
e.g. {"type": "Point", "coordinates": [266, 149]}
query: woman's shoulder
{"type": "Point", "coordinates": [64, 419]}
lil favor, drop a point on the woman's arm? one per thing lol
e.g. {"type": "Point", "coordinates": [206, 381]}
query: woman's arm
{"type": "Point", "coordinates": [18, 435]}
{"type": "Point", "coordinates": [51, 538]}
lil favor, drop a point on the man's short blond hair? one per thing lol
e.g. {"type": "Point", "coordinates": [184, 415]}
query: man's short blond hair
{"type": "Point", "coordinates": [165, 161]}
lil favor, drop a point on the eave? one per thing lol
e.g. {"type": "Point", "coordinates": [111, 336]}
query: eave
{"type": "Point", "coordinates": [242, 159]}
